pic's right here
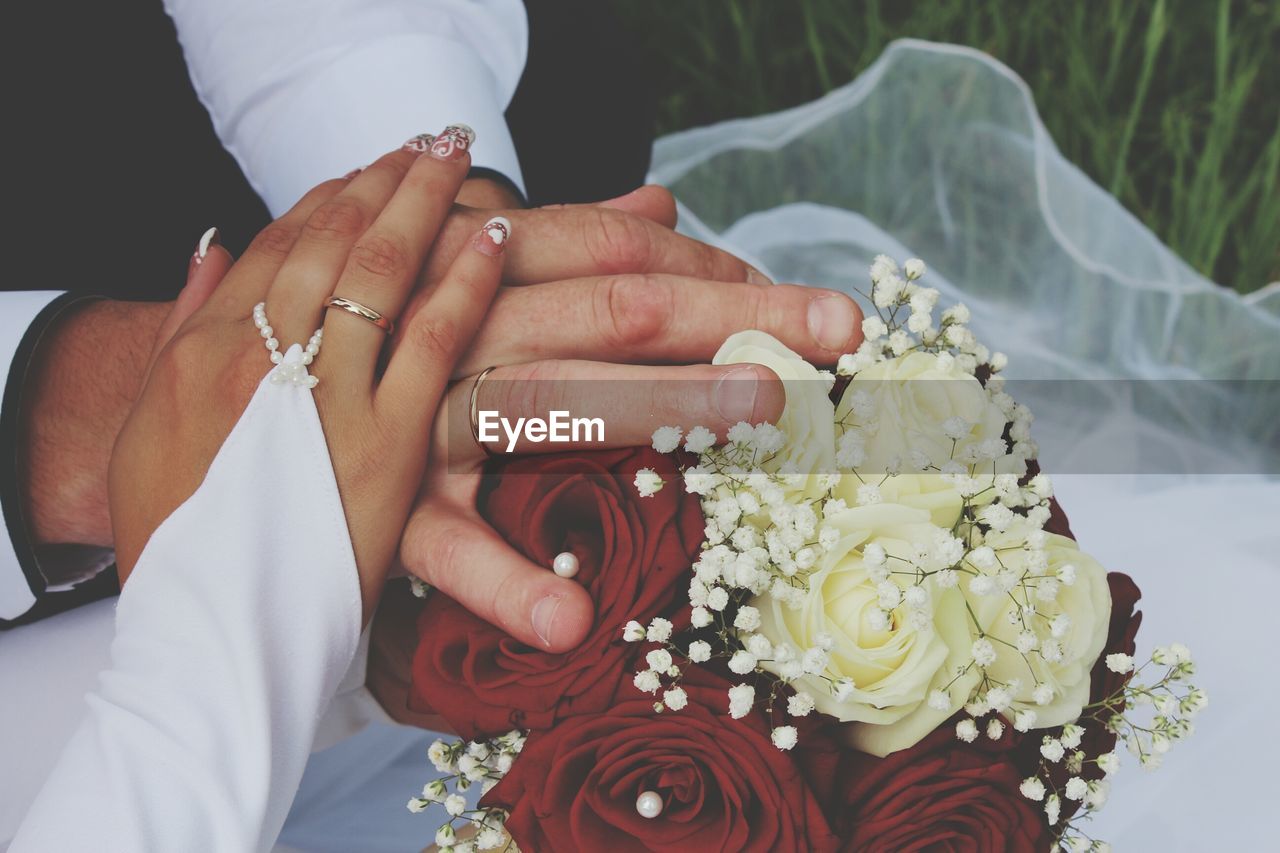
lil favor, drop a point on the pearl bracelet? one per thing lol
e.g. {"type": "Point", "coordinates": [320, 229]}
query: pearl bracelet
{"type": "Point", "coordinates": [290, 370]}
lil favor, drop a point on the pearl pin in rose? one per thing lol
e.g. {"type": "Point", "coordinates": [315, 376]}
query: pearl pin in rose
{"type": "Point", "coordinates": [565, 564]}
{"type": "Point", "coordinates": [649, 804]}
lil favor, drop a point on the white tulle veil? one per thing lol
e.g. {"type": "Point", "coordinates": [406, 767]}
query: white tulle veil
{"type": "Point", "coordinates": [937, 151]}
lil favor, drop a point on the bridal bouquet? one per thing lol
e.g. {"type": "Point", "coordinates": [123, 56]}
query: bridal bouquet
{"type": "Point", "coordinates": [865, 628]}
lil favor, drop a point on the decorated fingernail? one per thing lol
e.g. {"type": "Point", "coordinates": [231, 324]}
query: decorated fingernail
{"type": "Point", "coordinates": [453, 142]}
{"type": "Point", "coordinates": [207, 239]}
{"type": "Point", "coordinates": [419, 144]}
{"type": "Point", "coordinates": [493, 237]}
{"type": "Point", "coordinates": [349, 175]}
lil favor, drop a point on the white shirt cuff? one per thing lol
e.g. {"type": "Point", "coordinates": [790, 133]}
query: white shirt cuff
{"type": "Point", "coordinates": [367, 103]}
{"type": "Point", "coordinates": [17, 311]}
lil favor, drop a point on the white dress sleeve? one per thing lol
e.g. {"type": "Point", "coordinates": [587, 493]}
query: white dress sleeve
{"type": "Point", "coordinates": [232, 636]}
{"type": "Point", "coordinates": [301, 92]}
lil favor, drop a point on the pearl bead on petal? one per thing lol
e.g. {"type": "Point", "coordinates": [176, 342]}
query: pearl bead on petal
{"type": "Point", "coordinates": [565, 564]}
{"type": "Point", "coordinates": [649, 804]}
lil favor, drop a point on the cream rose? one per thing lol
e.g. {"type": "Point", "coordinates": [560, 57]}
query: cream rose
{"type": "Point", "coordinates": [894, 668]}
{"type": "Point", "coordinates": [929, 492]}
{"type": "Point", "coordinates": [1086, 605]}
{"type": "Point", "coordinates": [808, 419]}
{"type": "Point", "coordinates": [911, 397]}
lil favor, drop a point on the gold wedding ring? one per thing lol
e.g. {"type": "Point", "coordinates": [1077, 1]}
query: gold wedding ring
{"type": "Point", "coordinates": [475, 414]}
{"type": "Point", "coordinates": [364, 312]}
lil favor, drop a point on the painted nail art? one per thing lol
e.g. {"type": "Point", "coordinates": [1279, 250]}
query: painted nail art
{"type": "Point", "coordinates": [453, 142]}
{"type": "Point", "coordinates": [493, 236]}
{"type": "Point", "coordinates": [207, 239]}
{"type": "Point", "coordinates": [420, 144]}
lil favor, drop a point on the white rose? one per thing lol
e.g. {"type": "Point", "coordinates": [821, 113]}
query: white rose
{"type": "Point", "coordinates": [929, 492]}
{"type": "Point", "coordinates": [1087, 605]}
{"type": "Point", "coordinates": [893, 668]}
{"type": "Point", "coordinates": [808, 419]}
{"type": "Point", "coordinates": [913, 395]}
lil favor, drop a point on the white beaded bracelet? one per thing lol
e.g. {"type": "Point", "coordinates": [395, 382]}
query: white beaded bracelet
{"type": "Point", "coordinates": [294, 371]}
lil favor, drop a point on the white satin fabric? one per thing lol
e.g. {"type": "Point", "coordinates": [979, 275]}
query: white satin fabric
{"type": "Point", "coordinates": [231, 637]}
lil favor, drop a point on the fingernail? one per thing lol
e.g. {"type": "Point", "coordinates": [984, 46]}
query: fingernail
{"type": "Point", "coordinates": [453, 142]}
{"type": "Point", "coordinates": [207, 239]}
{"type": "Point", "coordinates": [735, 395]}
{"type": "Point", "coordinates": [493, 236]}
{"type": "Point", "coordinates": [349, 175]}
{"type": "Point", "coordinates": [544, 617]}
{"type": "Point", "coordinates": [754, 276]}
{"type": "Point", "coordinates": [831, 321]}
{"type": "Point", "coordinates": [419, 144]}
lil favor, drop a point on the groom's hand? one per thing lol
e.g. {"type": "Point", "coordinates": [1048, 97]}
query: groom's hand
{"type": "Point", "coordinates": [590, 287]}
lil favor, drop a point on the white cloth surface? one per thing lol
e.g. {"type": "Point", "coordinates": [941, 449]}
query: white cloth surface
{"type": "Point", "coordinates": [233, 634]}
{"type": "Point", "coordinates": [17, 310]}
{"type": "Point", "coordinates": [301, 92]}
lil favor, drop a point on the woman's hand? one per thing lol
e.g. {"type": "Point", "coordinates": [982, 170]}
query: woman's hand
{"type": "Point", "coordinates": [365, 239]}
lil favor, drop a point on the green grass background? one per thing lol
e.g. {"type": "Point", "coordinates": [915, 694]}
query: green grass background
{"type": "Point", "coordinates": [1172, 105]}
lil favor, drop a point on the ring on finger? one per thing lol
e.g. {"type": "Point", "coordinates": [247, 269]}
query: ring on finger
{"type": "Point", "coordinates": [364, 312]}
{"type": "Point", "coordinates": [475, 413]}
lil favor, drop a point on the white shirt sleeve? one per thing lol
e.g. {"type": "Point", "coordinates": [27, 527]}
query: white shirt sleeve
{"type": "Point", "coordinates": [232, 636]}
{"type": "Point", "coordinates": [17, 311]}
{"type": "Point", "coordinates": [301, 92]}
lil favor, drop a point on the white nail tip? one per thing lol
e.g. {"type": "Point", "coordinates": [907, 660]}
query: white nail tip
{"type": "Point", "coordinates": [498, 229]}
{"type": "Point", "coordinates": [205, 240]}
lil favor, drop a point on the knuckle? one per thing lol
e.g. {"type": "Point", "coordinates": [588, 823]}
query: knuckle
{"type": "Point", "coordinates": [436, 338]}
{"type": "Point", "coordinates": [381, 256]}
{"type": "Point", "coordinates": [755, 306]}
{"type": "Point", "coordinates": [429, 548]}
{"type": "Point", "coordinates": [534, 390]}
{"type": "Point", "coordinates": [338, 218]}
{"type": "Point", "coordinates": [275, 240]}
{"type": "Point", "coordinates": [502, 596]}
{"type": "Point", "coordinates": [706, 261]}
{"type": "Point", "coordinates": [632, 309]}
{"type": "Point", "coordinates": [618, 242]}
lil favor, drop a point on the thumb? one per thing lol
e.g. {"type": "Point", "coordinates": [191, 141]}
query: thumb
{"type": "Point", "coordinates": [468, 561]}
{"type": "Point", "coordinates": [208, 264]}
{"type": "Point", "coordinates": [651, 202]}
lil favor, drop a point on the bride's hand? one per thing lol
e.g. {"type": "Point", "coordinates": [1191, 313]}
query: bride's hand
{"type": "Point", "coordinates": [365, 239]}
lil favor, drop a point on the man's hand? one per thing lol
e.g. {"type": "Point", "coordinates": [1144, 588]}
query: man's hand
{"type": "Point", "coordinates": [618, 291]}
{"type": "Point", "coordinates": [85, 377]}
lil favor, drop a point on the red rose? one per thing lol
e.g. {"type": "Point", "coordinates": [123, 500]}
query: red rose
{"type": "Point", "coordinates": [941, 794]}
{"type": "Point", "coordinates": [635, 555]}
{"type": "Point", "coordinates": [723, 783]}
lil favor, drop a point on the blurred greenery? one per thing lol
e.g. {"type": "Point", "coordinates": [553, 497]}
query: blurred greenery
{"type": "Point", "coordinates": [1172, 105]}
